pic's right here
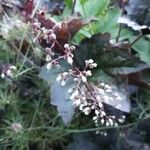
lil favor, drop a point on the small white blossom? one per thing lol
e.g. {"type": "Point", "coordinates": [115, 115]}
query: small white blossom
{"type": "Point", "coordinates": [87, 110]}
{"type": "Point", "coordinates": [107, 124]}
{"type": "Point", "coordinates": [63, 83]}
{"type": "Point", "coordinates": [84, 79]}
{"type": "Point", "coordinates": [102, 121]}
{"type": "Point", "coordinates": [100, 104]}
{"type": "Point", "coordinates": [108, 90]}
{"type": "Point", "coordinates": [90, 61]}
{"type": "Point", "coordinates": [97, 112]}
{"type": "Point", "coordinates": [49, 66]}
{"type": "Point", "coordinates": [53, 36]}
{"type": "Point", "coordinates": [66, 46]}
{"type": "Point", "coordinates": [9, 73]}
{"type": "Point", "coordinates": [59, 78]}
{"type": "Point", "coordinates": [88, 73]}
{"type": "Point", "coordinates": [70, 90]}
{"type": "Point", "coordinates": [77, 102]}
{"type": "Point", "coordinates": [102, 114]}
{"type": "Point", "coordinates": [48, 58]}
{"type": "Point", "coordinates": [81, 107]}
{"type": "Point", "coordinates": [95, 118]}
{"type": "Point", "coordinates": [93, 107]}
{"type": "Point", "coordinates": [70, 60]}
{"type": "Point", "coordinates": [2, 75]}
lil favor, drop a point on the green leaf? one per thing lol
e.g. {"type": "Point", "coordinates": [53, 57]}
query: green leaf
{"type": "Point", "coordinates": [86, 8]}
{"type": "Point", "coordinates": [69, 3]}
{"type": "Point", "coordinates": [61, 98]}
{"type": "Point", "coordinates": [142, 47]}
{"type": "Point", "coordinates": [59, 95]}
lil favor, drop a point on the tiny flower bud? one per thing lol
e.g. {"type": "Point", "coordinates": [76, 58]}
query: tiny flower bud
{"type": "Point", "coordinates": [84, 79]}
{"type": "Point", "coordinates": [66, 46]}
{"type": "Point", "coordinates": [49, 66]}
{"type": "Point", "coordinates": [70, 60]}
{"type": "Point", "coordinates": [88, 73]}
{"type": "Point", "coordinates": [2, 75]}
{"type": "Point", "coordinates": [63, 83]}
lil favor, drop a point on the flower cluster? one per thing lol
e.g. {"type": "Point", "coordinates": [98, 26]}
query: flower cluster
{"type": "Point", "coordinates": [7, 70]}
{"type": "Point", "coordinates": [89, 98]}
{"type": "Point", "coordinates": [92, 99]}
{"type": "Point", "coordinates": [41, 33]}
{"type": "Point", "coordinates": [68, 56]}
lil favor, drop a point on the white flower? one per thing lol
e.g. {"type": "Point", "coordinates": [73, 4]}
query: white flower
{"type": "Point", "coordinates": [53, 36]}
{"type": "Point", "coordinates": [98, 98]}
{"type": "Point", "coordinates": [77, 102]}
{"type": "Point", "coordinates": [107, 124]}
{"type": "Point", "coordinates": [95, 118]}
{"type": "Point", "coordinates": [70, 60]}
{"type": "Point", "coordinates": [2, 75]}
{"type": "Point", "coordinates": [118, 98]}
{"type": "Point", "coordinates": [49, 66]}
{"type": "Point", "coordinates": [105, 134]}
{"type": "Point", "coordinates": [63, 83]}
{"type": "Point", "coordinates": [66, 46]}
{"type": "Point", "coordinates": [13, 67]}
{"type": "Point", "coordinates": [110, 121]}
{"type": "Point", "coordinates": [9, 73]}
{"type": "Point", "coordinates": [81, 107]}
{"type": "Point", "coordinates": [101, 91]}
{"type": "Point", "coordinates": [123, 117]}
{"type": "Point", "coordinates": [70, 91]}
{"type": "Point", "coordinates": [115, 124]}
{"type": "Point", "coordinates": [92, 107]}
{"type": "Point", "coordinates": [90, 61]}
{"type": "Point", "coordinates": [108, 90]}
{"type": "Point", "coordinates": [102, 121]}
{"type": "Point", "coordinates": [75, 94]}
{"type": "Point", "coordinates": [72, 48]}
{"type": "Point", "coordinates": [87, 110]}
{"type": "Point", "coordinates": [48, 58]}
{"type": "Point", "coordinates": [102, 114]}
{"type": "Point", "coordinates": [96, 112]}
{"type": "Point", "coordinates": [107, 86]}
{"type": "Point", "coordinates": [65, 74]}
{"type": "Point", "coordinates": [94, 65]}
{"type": "Point", "coordinates": [59, 78]}
{"type": "Point", "coordinates": [84, 79]}
{"type": "Point", "coordinates": [102, 84]}
{"type": "Point", "coordinates": [121, 120]}
{"type": "Point", "coordinates": [88, 73]}
{"type": "Point", "coordinates": [100, 104]}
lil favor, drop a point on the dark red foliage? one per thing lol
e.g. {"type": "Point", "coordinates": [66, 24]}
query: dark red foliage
{"type": "Point", "coordinates": [47, 23]}
{"type": "Point", "coordinates": [28, 8]}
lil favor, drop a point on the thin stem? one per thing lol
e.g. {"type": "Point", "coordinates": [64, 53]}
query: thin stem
{"type": "Point", "coordinates": [120, 27]}
{"type": "Point", "coordinates": [73, 7]}
{"type": "Point", "coordinates": [140, 36]}
{"type": "Point", "coordinates": [90, 91]}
